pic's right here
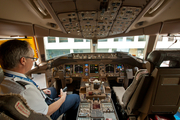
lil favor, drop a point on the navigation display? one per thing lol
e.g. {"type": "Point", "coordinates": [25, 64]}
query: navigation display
{"type": "Point", "coordinates": [68, 69]}
{"type": "Point", "coordinates": [78, 69]}
{"type": "Point", "coordinates": [119, 67]}
{"type": "Point", "coordinates": [109, 68]}
{"type": "Point", "coordinates": [94, 68]}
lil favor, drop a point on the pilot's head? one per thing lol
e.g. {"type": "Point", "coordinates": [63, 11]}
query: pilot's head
{"type": "Point", "coordinates": [16, 55]}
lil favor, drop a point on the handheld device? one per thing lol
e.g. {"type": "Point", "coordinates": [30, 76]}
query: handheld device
{"type": "Point", "coordinates": [64, 89]}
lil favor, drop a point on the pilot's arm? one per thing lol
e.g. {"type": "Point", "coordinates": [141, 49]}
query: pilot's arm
{"type": "Point", "coordinates": [57, 104]}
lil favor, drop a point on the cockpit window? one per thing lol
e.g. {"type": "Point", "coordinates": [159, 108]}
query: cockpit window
{"type": "Point", "coordinates": [133, 45]}
{"type": "Point", "coordinates": [57, 46]}
{"type": "Point", "coordinates": [51, 39]}
{"type": "Point", "coordinates": [165, 64]}
{"type": "Point", "coordinates": [168, 42]}
{"type": "Point", "coordinates": [64, 45]}
{"type": "Point", "coordinates": [63, 39]}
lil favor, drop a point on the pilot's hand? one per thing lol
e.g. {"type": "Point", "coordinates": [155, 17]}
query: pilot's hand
{"type": "Point", "coordinates": [47, 91]}
{"type": "Point", "coordinates": [63, 95]}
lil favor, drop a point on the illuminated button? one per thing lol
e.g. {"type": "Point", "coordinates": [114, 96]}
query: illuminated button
{"type": "Point", "coordinates": [86, 65]}
{"type": "Point", "coordinates": [86, 70]}
{"type": "Point", "coordinates": [86, 74]}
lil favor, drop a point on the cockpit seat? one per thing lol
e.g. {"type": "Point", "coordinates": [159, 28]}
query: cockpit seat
{"type": "Point", "coordinates": [123, 96]}
{"type": "Point", "coordinates": [155, 90]}
{"type": "Point", "coordinates": [163, 94]}
{"type": "Point", "coordinates": [13, 106]}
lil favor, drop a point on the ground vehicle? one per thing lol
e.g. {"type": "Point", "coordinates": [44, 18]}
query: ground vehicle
{"type": "Point", "coordinates": [77, 18]}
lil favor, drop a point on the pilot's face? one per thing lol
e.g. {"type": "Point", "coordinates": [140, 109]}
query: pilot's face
{"type": "Point", "coordinates": [30, 61]}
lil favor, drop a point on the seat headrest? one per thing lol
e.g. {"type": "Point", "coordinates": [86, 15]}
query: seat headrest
{"type": "Point", "coordinates": [174, 63]}
{"type": "Point", "coordinates": [135, 69]}
{"type": "Point", "coordinates": [158, 56]}
{"type": "Point", "coordinates": [1, 75]}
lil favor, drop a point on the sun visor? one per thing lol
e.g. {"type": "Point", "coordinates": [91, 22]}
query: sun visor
{"type": "Point", "coordinates": [11, 28]}
{"type": "Point", "coordinates": [171, 26]}
{"type": "Point", "coordinates": [152, 29]}
{"type": "Point", "coordinates": [41, 31]}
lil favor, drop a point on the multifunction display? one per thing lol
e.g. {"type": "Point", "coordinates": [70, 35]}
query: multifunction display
{"type": "Point", "coordinates": [94, 68]}
{"type": "Point", "coordinates": [68, 69]}
{"type": "Point", "coordinates": [109, 68]}
{"type": "Point", "coordinates": [119, 67]}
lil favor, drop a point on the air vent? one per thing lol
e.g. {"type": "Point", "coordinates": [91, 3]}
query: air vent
{"type": "Point", "coordinates": [52, 25]}
{"type": "Point", "coordinates": [140, 24]}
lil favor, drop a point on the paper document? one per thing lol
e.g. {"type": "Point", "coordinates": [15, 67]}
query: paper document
{"type": "Point", "coordinates": [40, 80]}
{"type": "Point", "coordinates": [129, 73]}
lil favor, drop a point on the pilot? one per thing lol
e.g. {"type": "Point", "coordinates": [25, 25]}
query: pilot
{"type": "Point", "coordinates": [16, 59]}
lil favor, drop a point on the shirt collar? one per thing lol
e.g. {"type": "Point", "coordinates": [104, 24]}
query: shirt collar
{"type": "Point", "coordinates": [15, 73]}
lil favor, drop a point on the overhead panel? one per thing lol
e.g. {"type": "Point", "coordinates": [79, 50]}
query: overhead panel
{"type": "Point", "coordinates": [70, 22]}
{"type": "Point", "coordinates": [88, 23]}
{"type": "Point", "coordinates": [124, 18]}
{"type": "Point", "coordinates": [111, 12]}
{"type": "Point", "coordinates": [97, 18]}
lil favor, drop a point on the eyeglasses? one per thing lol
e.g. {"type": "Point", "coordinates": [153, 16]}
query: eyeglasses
{"type": "Point", "coordinates": [34, 59]}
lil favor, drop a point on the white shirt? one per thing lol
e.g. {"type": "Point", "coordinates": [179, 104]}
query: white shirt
{"type": "Point", "coordinates": [32, 95]}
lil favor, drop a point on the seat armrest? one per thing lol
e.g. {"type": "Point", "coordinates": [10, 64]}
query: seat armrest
{"type": "Point", "coordinates": [119, 91]}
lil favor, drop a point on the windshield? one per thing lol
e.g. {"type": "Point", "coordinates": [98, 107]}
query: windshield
{"type": "Point", "coordinates": [56, 46]}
